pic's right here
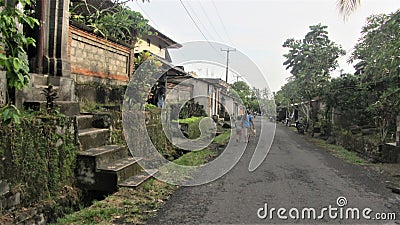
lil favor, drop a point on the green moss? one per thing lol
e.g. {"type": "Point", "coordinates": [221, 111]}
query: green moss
{"type": "Point", "coordinates": [39, 156]}
{"type": "Point", "coordinates": [192, 124]}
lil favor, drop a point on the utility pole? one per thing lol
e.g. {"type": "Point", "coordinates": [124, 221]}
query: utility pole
{"type": "Point", "coordinates": [227, 60]}
{"type": "Point", "coordinates": [237, 77]}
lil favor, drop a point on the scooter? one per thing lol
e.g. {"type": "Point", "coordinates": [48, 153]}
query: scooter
{"type": "Point", "coordinates": [300, 127]}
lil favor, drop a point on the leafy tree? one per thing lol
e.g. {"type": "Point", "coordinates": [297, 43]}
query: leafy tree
{"type": "Point", "coordinates": [248, 96]}
{"type": "Point", "coordinates": [267, 103]}
{"type": "Point", "coordinates": [346, 96]}
{"type": "Point", "coordinates": [13, 56]}
{"type": "Point", "coordinates": [311, 60]}
{"type": "Point", "coordinates": [111, 19]}
{"type": "Point", "coordinates": [288, 94]}
{"type": "Point", "coordinates": [378, 49]}
{"type": "Point", "coordinates": [242, 89]}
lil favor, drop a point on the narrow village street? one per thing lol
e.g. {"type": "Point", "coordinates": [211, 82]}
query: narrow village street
{"type": "Point", "coordinates": [108, 108]}
{"type": "Point", "coordinates": [296, 174]}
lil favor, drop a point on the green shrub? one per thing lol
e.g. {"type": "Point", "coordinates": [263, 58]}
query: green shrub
{"type": "Point", "coordinates": [150, 107]}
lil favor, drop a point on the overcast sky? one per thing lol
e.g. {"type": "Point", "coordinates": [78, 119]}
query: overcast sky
{"type": "Point", "coordinates": [257, 28]}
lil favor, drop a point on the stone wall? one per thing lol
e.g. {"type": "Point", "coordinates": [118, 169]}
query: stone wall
{"type": "Point", "coordinates": [101, 93]}
{"type": "Point", "coordinates": [38, 158]}
{"type": "Point", "coordinates": [8, 199]}
{"type": "Point", "coordinates": [93, 56]}
{"type": "Point", "coordinates": [367, 148]}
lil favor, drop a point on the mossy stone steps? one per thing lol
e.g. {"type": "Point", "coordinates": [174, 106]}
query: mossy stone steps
{"type": "Point", "coordinates": [104, 167]}
{"type": "Point", "coordinates": [93, 137]}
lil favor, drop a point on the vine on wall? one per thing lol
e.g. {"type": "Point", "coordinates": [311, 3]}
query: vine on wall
{"type": "Point", "coordinates": [13, 56]}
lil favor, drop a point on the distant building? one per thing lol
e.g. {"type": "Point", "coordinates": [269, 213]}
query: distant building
{"type": "Point", "coordinates": [157, 43]}
{"type": "Point", "coordinates": [219, 98]}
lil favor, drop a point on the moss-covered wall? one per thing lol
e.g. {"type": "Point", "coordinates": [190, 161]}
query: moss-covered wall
{"type": "Point", "coordinates": [100, 93]}
{"type": "Point", "coordinates": [365, 146]}
{"type": "Point", "coordinates": [38, 156]}
{"type": "Point", "coordinates": [192, 126]}
{"type": "Point", "coordinates": [154, 130]}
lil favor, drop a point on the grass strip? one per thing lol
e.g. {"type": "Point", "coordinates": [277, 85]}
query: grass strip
{"type": "Point", "coordinates": [340, 152]}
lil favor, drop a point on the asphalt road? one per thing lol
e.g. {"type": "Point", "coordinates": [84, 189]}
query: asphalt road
{"type": "Point", "coordinates": [296, 176]}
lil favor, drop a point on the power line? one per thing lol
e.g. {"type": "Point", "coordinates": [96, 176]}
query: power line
{"type": "Point", "coordinates": [198, 19]}
{"type": "Point", "coordinates": [197, 26]}
{"type": "Point", "coordinates": [150, 18]}
{"type": "Point", "coordinates": [222, 23]}
{"type": "Point", "coordinates": [209, 21]}
{"type": "Point", "coordinates": [147, 15]}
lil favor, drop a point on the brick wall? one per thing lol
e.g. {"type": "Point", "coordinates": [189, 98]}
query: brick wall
{"type": "Point", "coordinates": [94, 56]}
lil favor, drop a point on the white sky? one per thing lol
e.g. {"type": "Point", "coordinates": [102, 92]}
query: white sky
{"type": "Point", "coordinates": [258, 28]}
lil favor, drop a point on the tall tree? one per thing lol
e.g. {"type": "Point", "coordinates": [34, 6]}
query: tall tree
{"type": "Point", "coordinates": [379, 50]}
{"type": "Point", "coordinates": [248, 95]}
{"type": "Point", "coordinates": [346, 7]}
{"type": "Point", "coordinates": [311, 60]}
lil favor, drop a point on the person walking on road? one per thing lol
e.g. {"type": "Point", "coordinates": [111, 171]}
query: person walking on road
{"type": "Point", "coordinates": [239, 128]}
{"type": "Point", "coordinates": [248, 124]}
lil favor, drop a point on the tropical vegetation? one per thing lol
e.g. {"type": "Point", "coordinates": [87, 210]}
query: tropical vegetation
{"type": "Point", "coordinates": [369, 97]}
{"type": "Point", "coordinates": [13, 56]}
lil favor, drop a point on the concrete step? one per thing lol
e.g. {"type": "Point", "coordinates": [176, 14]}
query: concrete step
{"type": "Point", "coordinates": [69, 108]}
{"type": "Point", "coordinates": [41, 87]}
{"type": "Point", "coordinates": [65, 88]}
{"type": "Point", "coordinates": [93, 137]}
{"type": "Point", "coordinates": [103, 155]}
{"type": "Point", "coordinates": [138, 179]}
{"type": "Point", "coordinates": [122, 168]}
{"type": "Point", "coordinates": [66, 92]}
{"type": "Point", "coordinates": [35, 93]}
{"type": "Point", "coordinates": [84, 121]}
{"type": "Point", "coordinates": [39, 79]}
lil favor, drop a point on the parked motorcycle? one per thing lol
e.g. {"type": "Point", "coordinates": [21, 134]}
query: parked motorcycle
{"type": "Point", "coordinates": [300, 127]}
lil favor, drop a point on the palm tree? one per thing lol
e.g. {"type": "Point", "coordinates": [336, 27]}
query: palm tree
{"type": "Point", "coordinates": [346, 7]}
